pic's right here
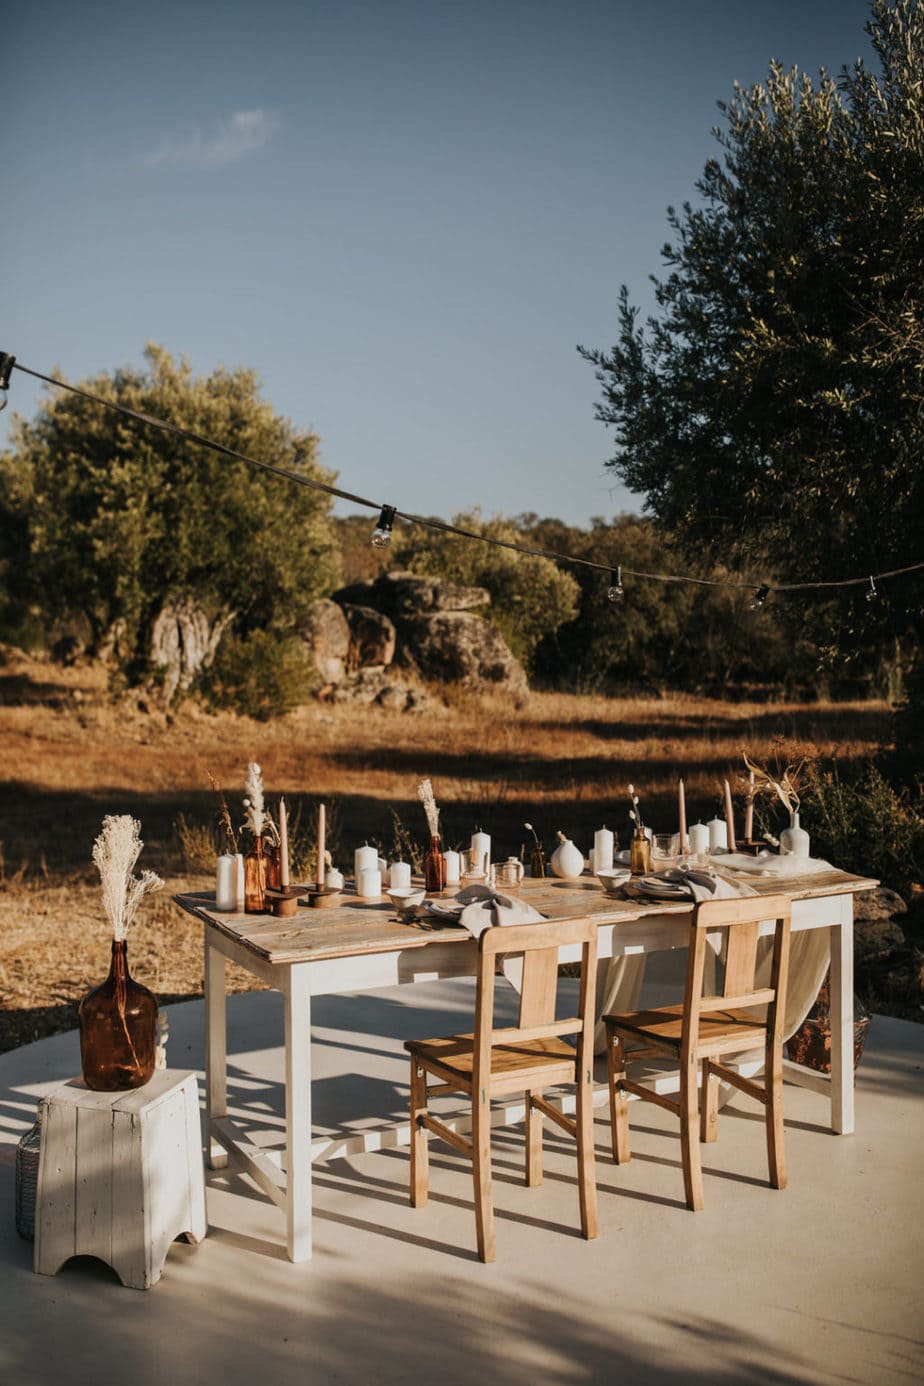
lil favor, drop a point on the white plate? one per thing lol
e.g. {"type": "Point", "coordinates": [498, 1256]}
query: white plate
{"type": "Point", "coordinates": [449, 909]}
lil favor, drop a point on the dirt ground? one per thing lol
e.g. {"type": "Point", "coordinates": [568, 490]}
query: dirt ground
{"type": "Point", "coordinates": [71, 755]}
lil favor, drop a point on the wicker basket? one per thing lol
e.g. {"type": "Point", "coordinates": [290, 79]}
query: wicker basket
{"type": "Point", "coordinates": [27, 1167]}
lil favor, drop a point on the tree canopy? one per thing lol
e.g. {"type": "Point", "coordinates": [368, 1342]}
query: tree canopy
{"type": "Point", "coordinates": [772, 410]}
{"type": "Point", "coordinates": [109, 520]}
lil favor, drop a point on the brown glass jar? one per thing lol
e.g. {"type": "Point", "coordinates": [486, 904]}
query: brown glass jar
{"type": "Point", "coordinates": [639, 854]}
{"type": "Point", "coordinates": [118, 1029]}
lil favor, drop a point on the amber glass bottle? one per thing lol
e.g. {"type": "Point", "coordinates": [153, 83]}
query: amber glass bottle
{"type": "Point", "coordinates": [118, 1029]}
{"type": "Point", "coordinates": [639, 853]}
{"type": "Point", "coordinates": [435, 867]}
{"type": "Point", "coordinates": [255, 879]}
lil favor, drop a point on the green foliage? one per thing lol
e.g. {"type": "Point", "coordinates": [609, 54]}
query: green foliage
{"type": "Point", "coordinates": [773, 411]}
{"type": "Point", "coordinates": [860, 821]}
{"type": "Point", "coordinates": [263, 674]}
{"type": "Point", "coordinates": [529, 596]}
{"type": "Point", "coordinates": [658, 635]}
{"type": "Point", "coordinates": [108, 520]}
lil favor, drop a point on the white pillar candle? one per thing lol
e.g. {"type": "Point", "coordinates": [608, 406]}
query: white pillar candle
{"type": "Point", "coordinates": [481, 843]}
{"type": "Point", "coordinates": [369, 883]}
{"type": "Point", "coordinates": [382, 864]}
{"type": "Point", "coordinates": [399, 875]}
{"type": "Point", "coordinates": [453, 867]}
{"type": "Point", "coordinates": [363, 858]}
{"type": "Point", "coordinates": [718, 839]}
{"type": "Point", "coordinates": [601, 858]}
{"type": "Point", "coordinates": [226, 884]}
{"type": "Point", "coordinates": [699, 839]}
{"type": "Point", "coordinates": [334, 879]}
{"type": "Point", "coordinates": [239, 860]}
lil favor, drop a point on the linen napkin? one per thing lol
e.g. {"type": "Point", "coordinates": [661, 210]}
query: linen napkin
{"type": "Point", "coordinates": [772, 864]}
{"type": "Point", "coordinates": [696, 885]}
{"type": "Point", "coordinates": [484, 908]}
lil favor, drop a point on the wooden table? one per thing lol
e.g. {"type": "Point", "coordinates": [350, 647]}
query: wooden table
{"type": "Point", "coordinates": [357, 945]}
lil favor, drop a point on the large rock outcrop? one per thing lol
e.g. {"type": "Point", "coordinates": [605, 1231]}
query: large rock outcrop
{"type": "Point", "coordinates": [419, 624]}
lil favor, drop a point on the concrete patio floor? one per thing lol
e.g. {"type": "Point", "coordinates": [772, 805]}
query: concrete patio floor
{"type": "Point", "coordinates": [819, 1283]}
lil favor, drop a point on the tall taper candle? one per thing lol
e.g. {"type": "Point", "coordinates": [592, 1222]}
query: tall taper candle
{"type": "Point", "coordinates": [682, 815]}
{"type": "Point", "coordinates": [749, 811]}
{"type": "Point", "coordinates": [322, 833]}
{"type": "Point", "coordinates": [730, 819]}
{"type": "Point", "coordinates": [283, 844]}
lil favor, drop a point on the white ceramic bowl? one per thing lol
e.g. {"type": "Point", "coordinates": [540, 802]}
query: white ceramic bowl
{"type": "Point", "coordinates": [613, 878]}
{"type": "Point", "coordinates": [406, 898]}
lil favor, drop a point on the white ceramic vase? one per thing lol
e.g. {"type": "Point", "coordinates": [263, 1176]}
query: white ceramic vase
{"type": "Point", "coordinates": [794, 841]}
{"type": "Point", "coordinates": [567, 861]}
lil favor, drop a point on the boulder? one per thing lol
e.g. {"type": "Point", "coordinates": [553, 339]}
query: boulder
{"type": "Point", "coordinates": [458, 647]}
{"type": "Point", "coordinates": [326, 633]}
{"type": "Point", "coordinates": [881, 903]}
{"type": "Point", "coordinates": [183, 642]}
{"type": "Point", "coordinates": [399, 594]}
{"type": "Point", "coordinates": [372, 638]}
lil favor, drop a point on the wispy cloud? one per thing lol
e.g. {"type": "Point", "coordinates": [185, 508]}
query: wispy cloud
{"type": "Point", "coordinates": [239, 135]}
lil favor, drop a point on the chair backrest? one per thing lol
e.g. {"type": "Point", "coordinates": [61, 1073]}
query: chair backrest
{"type": "Point", "coordinates": [539, 946]}
{"type": "Point", "coordinates": [738, 923]}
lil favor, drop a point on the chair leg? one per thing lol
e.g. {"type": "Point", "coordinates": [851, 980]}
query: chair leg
{"type": "Point", "coordinates": [619, 1107]}
{"type": "Point", "coordinates": [776, 1150]}
{"type": "Point", "coordinates": [481, 1170]}
{"type": "Point", "coordinates": [689, 1136]}
{"type": "Point", "coordinates": [420, 1155]}
{"type": "Point", "coordinates": [533, 1143]}
{"type": "Point", "coordinates": [587, 1183]}
{"type": "Point", "coordinates": [709, 1104]}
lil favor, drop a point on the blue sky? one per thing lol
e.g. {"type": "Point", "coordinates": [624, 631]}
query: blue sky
{"type": "Point", "coordinates": [403, 215]}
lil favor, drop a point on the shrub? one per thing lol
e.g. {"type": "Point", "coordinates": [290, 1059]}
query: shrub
{"type": "Point", "coordinates": [263, 675]}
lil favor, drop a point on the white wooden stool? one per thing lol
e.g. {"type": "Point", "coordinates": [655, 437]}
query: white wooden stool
{"type": "Point", "coordinates": [120, 1176]}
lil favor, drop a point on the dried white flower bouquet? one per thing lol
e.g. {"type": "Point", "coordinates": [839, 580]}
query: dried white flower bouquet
{"type": "Point", "coordinates": [115, 853]}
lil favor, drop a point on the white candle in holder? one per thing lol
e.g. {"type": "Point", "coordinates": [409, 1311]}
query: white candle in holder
{"type": "Point", "coordinates": [718, 834]}
{"type": "Point", "coordinates": [369, 883]}
{"type": "Point", "coordinates": [226, 884]}
{"type": "Point", "coordinates": [453, 867]}
{"type": "Point", "coordinates": [363, 858]}
{"type": "Point", "coordinates": [481, 843]}
{"type": "Point", "coordinates": [399, 876]}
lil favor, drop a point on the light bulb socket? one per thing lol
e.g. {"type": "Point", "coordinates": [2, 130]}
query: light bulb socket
{"type": "Point", "coordinates": [7, 362]}
{"type": "Point", "coordinates": [872, 591]}
{"type": "Point", "coordinates": [760, 597]}
{"type": "Point", "coordinates": [381, 535]}
{"type": "Point", "coordinates": [615, 592]}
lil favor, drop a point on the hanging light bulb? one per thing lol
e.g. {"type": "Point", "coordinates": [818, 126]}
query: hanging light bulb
{"type": "Point", "coordinates": [615, 592]}
{"type": "Point", "coordinates": [7, 363]}
{"type": "Point", "coordinates": [381, 535]}
{"type": "Point", "coordinates": [872, 592]}
{"type": "Point", "coordinates": [759, 598]}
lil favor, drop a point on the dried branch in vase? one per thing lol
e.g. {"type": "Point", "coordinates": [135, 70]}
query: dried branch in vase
{"type": "Point", "coordinates": [224, 816]}
{"type": "Point", "coordinates": [784, 785]}
{"type": "Point", "coordinates": [255, 812]}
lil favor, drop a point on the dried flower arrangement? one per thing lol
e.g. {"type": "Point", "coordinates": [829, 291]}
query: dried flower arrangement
{"type": "Point", "coordinates": [254, 808]}
{"type": "Point", "coordinates": [228, 831]}
{"type": "Point", "coordinates": [635, 812]}
{"type": "Point", "coordinates": [785, 784]}
{"type": "Point", "coordinates": [115, 853]}
{"type": "Point", "coordinates": [425, 795]}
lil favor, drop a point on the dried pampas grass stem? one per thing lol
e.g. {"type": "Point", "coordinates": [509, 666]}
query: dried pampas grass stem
{"type": "Point", "coordinates": [425, 795]}
{"type": "Point", "coordinates": [115, 852]}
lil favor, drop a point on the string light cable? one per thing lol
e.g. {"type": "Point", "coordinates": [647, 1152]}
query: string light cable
{"type": "Point", "coordinates": [388, 513]}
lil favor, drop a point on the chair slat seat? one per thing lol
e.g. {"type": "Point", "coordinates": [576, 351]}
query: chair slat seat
{"type": "Point", "coordinates": [719, 1033]}
{"type": "Point", "coordinates": [545, 1061]}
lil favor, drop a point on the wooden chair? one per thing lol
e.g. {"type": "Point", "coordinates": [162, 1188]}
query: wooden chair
{"type": "Point", "coordinates": [525, 1058]}
{"type": "Point", "coordinates": [708, 1027]}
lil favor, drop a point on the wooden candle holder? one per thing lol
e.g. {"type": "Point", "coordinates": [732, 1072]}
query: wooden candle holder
{"type": "Point", "coordinates": [283, 900]}
{"type": "Point", "coordinates": [321, 895]}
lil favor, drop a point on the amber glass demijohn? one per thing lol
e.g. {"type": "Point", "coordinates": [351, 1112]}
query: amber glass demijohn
{"type": "Point", "coordinates": [118, 1029]}
{"type": "Point", "coordinates": [255, 879]}
{"type": "Point", "coordinates": [435, 867]}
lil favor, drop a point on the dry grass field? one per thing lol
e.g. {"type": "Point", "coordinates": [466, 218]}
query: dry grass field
{"type": "Point", "coordinates": [71, 755]}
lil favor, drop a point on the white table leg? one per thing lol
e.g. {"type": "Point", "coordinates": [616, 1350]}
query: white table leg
{"type": "Point", "coordinates": [298, 1113]}
{"type": "Point", "coordinates": [842, 1118]}
{"type": "Point", "coordinates": [216, 1050]}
